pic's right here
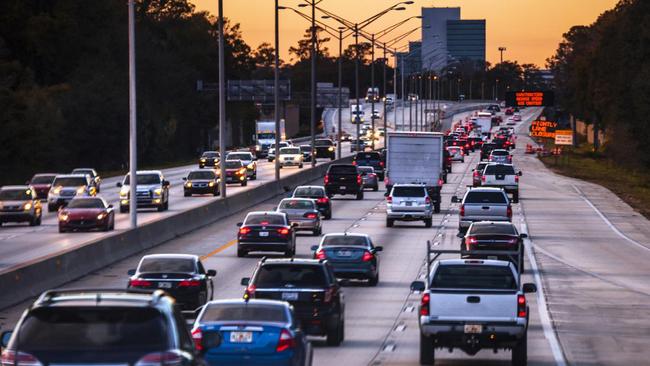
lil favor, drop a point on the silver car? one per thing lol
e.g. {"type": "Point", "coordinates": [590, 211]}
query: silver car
{"type": "Point", "coordinates": [302, 212]}
{"type": "Point", "coordinates": [456, 153]}
{"type": "Point", "coordinates": [409, 202]}
{"type": "Point", "coordinates": [500, 156]}
{"type": "Point", "coordinates": [369, 177]}
{"type": "Point", "coordinates": [20, 204]}
{"type": "Point", "coordinates": [249, 161]}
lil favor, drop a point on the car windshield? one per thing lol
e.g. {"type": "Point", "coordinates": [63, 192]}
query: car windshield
{"type": "Point", "coordinates": [488, 146]}
{"type": "Point", "coordinates": [244, 312]}
{"type": "Point", "coordinates": [492, 228]}
{"type": "Point", "coordinates": [70, 181]}
{"type": "Point", "coordinates": [84, 171]}
{"type": "Point", "coordinates": [343, 169]}
{"type": "Point", "coordinates": [239, 156]}
{"type": "Point", "coordinates": [296, 205]}
{"type": "Point", "coordinates": [305, 148]}
{"type": "Point", "coordinates": [86, 203]}
{"type": "Point", "coordinates": [42, 179]}
{"type": "Point", "coordinates": [480, 277]}
{"type": "Point", "coordinates": [500, 152]}
{"type": "Point", "coordinates": [144, 179]}
{"type": "Point", "coordinates": [266, 136]}
{"type": "Point", "coordinates": [480, 167]}
{"type": "Point", "coordinates": [111, 329]}
{"type": "Point", "coordinates": [366, 169]}
{"type": "Point", "coordinates": [485, 197]}
{"type": "Point", "coordinates": [233, 164]}
{"type": "Point", "coordinates": [15, 194]}
{"type": "Point", "coordinates": [309, 192]}
{"type": "Point", "coordinates": [210, 154]}
{"type": "Point", "coordinates": [408, 192]}
{"type": "Point", "coordinates": [290, 275]}
{"type": "Point", "coordinates": [355, 240]}
{"type": "Point", "coordinates": [323, 143]}
{"type": "Point", "coordinates": [167, 265]}
{"type": "Point", "coordinates": [282, 144]}
{"type": "Point", "coordinates": [203, 174]}
{"type": "Point", "coordinates": [289, 150]}
{"type": "Point", "coordinates": [268, 219]}
{"type": "Point", "coordinates": [499, 169]}
{"type": "Point", "coordinates": [368, 156]}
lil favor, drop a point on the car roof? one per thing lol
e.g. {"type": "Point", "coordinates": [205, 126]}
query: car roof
{"type": "Point", "coordinates": [311, 187]}
{"type": "Point", "coordinates": [101, 298]}
{"type": "Point", "coordinates": [172, 256]}
{"type": "Point", "coordinates": [347, 234]}
{"type": "Point", "coordinates": [147, 172]}
{"type": "Point", "coordinates": [485, 189]}
{"type": "Point", "coordinates": [492, 163]}
{"type": "Point", "coordinates": [21, 187]}
{"type": "Point", "coordinates": [297, 199]}
{"type": "Point", "coordinates": [265, 213]}
{"type": "Point", "coordinates": [89, 198]}
{"type": "Point", "coordinates": [291, 260]}
{"type": "Point", "coordinates": [474, 262]}
{"type": "Point", "coordinates": [83, 169]}
{"type": "Point", "coordinates": [72, 175]}
{"type": "Point", "coordinates": [249, 301]}
{"type": "Point", "coordinates": [409, 185]}
{"type": "Point", "coordinates": [498, 223]}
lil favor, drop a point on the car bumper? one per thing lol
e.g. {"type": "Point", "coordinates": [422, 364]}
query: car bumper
{"type": "Point", "coordinates": [16, 216]}
{"type": "Point", "coordinates": [306, 224]}
{"type": "Point", "coordinates": [143, 203]}
{"type": "Point", "coordinates": [264, 246]}
{"type": "Point", "coordinates": [234, 180]}
{"type": "Point", "coordinates": [290, 163]}
{"type": "Point", "coordinates": [355, 271]}
{"type": "Point", "coordinates": [409, 215]}
{"type": "Point", "coordinates": [82, 225]}
{"type": "Point", "coordinates": [200, 190]}
{"type": "Point", "coordinates": [465, 223]}
{"type": "Point", "coordinates": [493, 335]}
{"type": "Point", "coordinates": [508, 189]}
{"type": "Point", "coordinates": [316, 324]}
{"type": "Point", "coordinates": [345, 190]}
{"type": "Point", "coordinates": [237, 358]}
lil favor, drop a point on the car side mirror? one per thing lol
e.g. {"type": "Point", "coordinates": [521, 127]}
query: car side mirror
{"type": "Point", "coordinates": [520, 173]}
{"type": "Point", "coordinates": [314, 248]}
{"type": "Point", "coordinates": [210, 339]}
{"type": "Point", "coordinates": [6, 336]}
{"type": "Point", "coordinates": [417, 286]}
{"type": "Point", "coordinates": [342, 281]}
{"type": "Point", "coordinates": [245, 281]}
{"type": "Point", "coordinates": [118, 184]}
{"type": "Point", "coordinates": [386, 194]}
{"type": "Point", "coordinates": [294, 224]}
{"type": "Point", "coordinates": [130, 272]}
{"type": "Point", "coordinates": [523, 235]}
{"type": "Point", "coordinates": [110, 206]}
{"type": "Point", "coordinates": [212, 272]}
{"type": "Point", "coordinates": [454, 199]}
{"type": "Point", "coordinates": [239, 224]}
{"type": "Point", "coordinates": [184, 178]}
{"type": "Point", "coordinates": [529, 288]}
{"type": "Point", "coordinates": [460, 235]}
{"type": "Point", "coordinates": [165, 183]}
{"type": "Point", "coordinates": [27, 182]}
{"type": "Point", "coordinates": [379, 249]}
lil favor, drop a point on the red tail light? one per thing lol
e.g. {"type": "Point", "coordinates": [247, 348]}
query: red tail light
{"type": "Point", "coordinates": [367, 256]}
{"type": "Point", "coordinates": [244, 230]}
{"type": "Point", "coordinates": [327, 179]}
{"type": "Point", "coordinates": [381, 164]}
{"type": "Point", "coordinates": [283, 231]}
{"type": "Point", "coordinates": [320, 254]}
{"type": "Point", "coordinates": [470, 241]}
{"type": "Point", "coordinates": [424, 305]}
{"type": "Point", "coordinates": [139, 283]}
{"type": "Point", "coordinates": [483, 179]}
{"type": "Point", "coordinates": [372, 175]}
{"type": "Point", "coordinates": [250, 291]}
{"type": "Point", "coordinates": [516, 179]}
{"type": "Point", "coordinates": [475, 173]}
{"type": "Point", "coordinates": [354, 163]}
{"type": "Point", "coordinates": [427, 200]}
{"type": "Point", "coordinates": [359, 179]}
{"type": "Point", "coordinates": [160, 358]}
{"type": "Point", "coordinates": [509, 211]}
{"type": "Point", "coordinates": [462, 210]}
{"type": "Point", "coordinates": [285, 342]}
{"type": "Point", "coordinates": [329, 295]}
{"type": "Point", "coordinates": [197, 337]}
{"type": "Point", "coordinates": [18, 359]}
{"type": "Point", "coordinates": [467, 146]}
{"type": "Point", "coordinates": [389, 199]}
{"type": "Point", "coordinates": [522, 311]}
{"type": "Point", "coordinates": [323, 200]}
{"type": "Point", "coordinates": [311, 215]}
{"type": "Point", "coordinates": [189, 283]}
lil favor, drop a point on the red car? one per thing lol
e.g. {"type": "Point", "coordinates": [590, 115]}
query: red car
{"type": "Point", "coordinates": [41, 184]}
{"type": "Point", "coordinates": [86, 213]}
{"type": "Point", "coordinates": [509, 111]}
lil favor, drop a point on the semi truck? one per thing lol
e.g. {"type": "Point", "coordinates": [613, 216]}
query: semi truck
{"type": "Point", "coordinates": [265, 136]}
{"type": "Point", "coordinates": [416, 158]}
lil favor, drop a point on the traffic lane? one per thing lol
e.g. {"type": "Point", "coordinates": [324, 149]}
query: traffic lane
{"type": "Point", "coordinates": [21, 244]}
{"type": "Point", "coordinates": [596, 280]}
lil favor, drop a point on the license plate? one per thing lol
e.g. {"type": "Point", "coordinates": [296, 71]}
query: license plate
{"type": "Point", "coordinates": [342, 187]}
{"type": "Point", "coordinates": [264, 233]}
{"type": "Point", "coordinates": [473, 328]}
{"type": "Point", "coordinates": [289, 296]}
{"type": "Point", "coordinates": [344, 253]}
{"type": "Point", "coordinates": [409, 203]}
{"type": "Point", "coordinates": [164, 285]}
{"type": "Point", "coordinates": [241, 337]}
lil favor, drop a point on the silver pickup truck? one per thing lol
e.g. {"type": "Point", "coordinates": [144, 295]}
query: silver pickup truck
{"type": "Point", "coordinates": [473, 304]}
{"type": "Point", "coordinates": [502, 176]}
{"type": "Point", "coordinates": [483, 204]}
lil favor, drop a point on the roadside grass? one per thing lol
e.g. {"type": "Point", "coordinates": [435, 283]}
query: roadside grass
{"type": "Point", "coordinates": [632, 186]}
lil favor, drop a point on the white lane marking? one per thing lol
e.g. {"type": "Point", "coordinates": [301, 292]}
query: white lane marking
{"type": "Point", "coordinates": [544, 317]}
{"type": "Point", "coordinates": [389, 348]}
{"type": "Point", "coordinates": [609, 223]}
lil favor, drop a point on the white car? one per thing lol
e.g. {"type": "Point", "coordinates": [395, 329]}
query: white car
{"type": "Point", "coordinates": [271, 154]}
{"type": "Point", "coordinates": [290, 156]}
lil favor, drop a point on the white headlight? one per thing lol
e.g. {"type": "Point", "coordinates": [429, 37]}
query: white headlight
{"type": "Point", "coordinates": [158, 191]}
{"type": "Point", "coordinates": [124, 191]}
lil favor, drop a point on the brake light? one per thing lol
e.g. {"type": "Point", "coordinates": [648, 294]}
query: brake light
{"type": "Point", "coordinates": [476, 173]}
{"type": "Point", "coordinates": [283, 231]}
{"type": "Point", "coordinates": [322, 200]}
{"type": "Point", "coordinates": [285, 342]}
{"type": "Point", "coordinates": [427, 200]}
{"type": "Point", "coordinates": [197, 337]}
{"type": "Point", "coordinates": [470, 241]}
{"type": "Point", "coordinates": [329, 294]}
{"type": "Point", "coordinates": [359, 179]}
{"type": "Point", "coordinates": [250, 292]}
{"type": "Point", "coordinates": [483, 179]}
{"type": "Point", "coordinates": [264, 223]}
{"type": "Point", "coordinates": [311, 215]}
{"type": "Point", "coordinates": [381, 164]}
{"type": "Point", "coordinates": [167, 358]}
{"type": "Point", "coordinates": [354, 163]}
{"type": "Point", "coordinates": [320, 254]}
{"type": "Point", "coordinates": [389, 199]}
{"type": "Point", "coordinates": [467, 145]}
{"type": "Point", "coordinates": [424, 304]}
{"type": "Point", "coordinates": [509, 211]}
{"type": "Point", "coordinates": [516, 179]}
{"type": "Point", "coordinates": [327, 179]}
{"type": "Point", "coordinates": [522, 310]}
{"type": "Point", "coordinates": [462, 210]}
{"type": "Point", "coordinates": [244, 230]}
{"type": "Point", "coordinates": [367, 256]}
{"type": "Point", "coordinates": [189, 283]}
{"type": "Point", "coordinates": [139, 283]}
{"type": "Point", "coordinates": [10, 358]}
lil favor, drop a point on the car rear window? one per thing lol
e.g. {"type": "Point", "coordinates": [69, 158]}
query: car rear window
{"type": "Point", "coordinates": [167, 265]}
{"type": "Point", "coordinates": [485, 197]}
{"type": "Point", "coordinates": [366, 169]}
{"type": "Point", "coordinates": [70, 181]}
{"type": "Point", "coordinates": [265, 220]}
{"type": "Point", "coordinates": [309, 192]}
{"type": "Point", "coordinates": [106, 329]}
{"type": "Point", "coordinates": [493, 228]}
{"type": "Point", "coordinates": [83, 171]}
{"type": "Point", "coordinates": [289, 150]}
{"type": "Point", "coordinates": [323, 143]}
{"type": "Point", "coordinates": [290, 275]}
{"type": "Point", "coordinates": [86, 203]}
{"type": "Point", "coordinates": [368, 156]}
{"type": "Point", "coordinates": [333, 240]}
{"type": "Point", "coordinates": [305, 148]}
{"type": "Point", "coordinates": [499, 169]}
{"type": "Point", "coordinates": [42, 179]}
{"type": "Point", "coordinates": [500, 152]}
{"type": "Point", "coordinates": [481, 166]}
{"type": "Point", "coordinates": [488, 146]}
{"type": "Point", "coordinates": [342, 169]}
{"type": "Point", "coordinates": [244, 312]}
{"type": "Point", "coordinates": [15, 194]}
{"type": "Point", "coordinates": [408, 192]}
{"type": "Point", "coordinates": [299, 204]}
{"type": "Point", "coordinates": [204, 174]}
{"type": "Point", "coordinates": [482, 277]}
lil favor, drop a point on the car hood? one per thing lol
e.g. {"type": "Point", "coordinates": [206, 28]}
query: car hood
{"type": "Point", "coordinates": [12, 203]}
{"type": "Point", "coordinates": [84, 213]}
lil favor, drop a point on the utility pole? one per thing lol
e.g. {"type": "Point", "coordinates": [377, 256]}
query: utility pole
{"type": "Point", "coordinates": [314, 55]}
{"type": "Point", "coordinates": [372, 85]}
{"type": "Point", "coordinates": [133, 130]}
{"type": "Point", "coordinates": [222, 103]}
{"type": "Point", "coordinates": [357, 118]}
{"type": "Point", "coordinates": [395, 95]}
{"type": "Point", "coordinates": [403, 95]}
{"type": "Point", "coordinates": [501, 49]}
{"type": "Point", "coordinates": [384, 90]}
{"type": "Point", "coordinates": [338, 129]}
{"type": "Point", "coordinates": [276, 97]}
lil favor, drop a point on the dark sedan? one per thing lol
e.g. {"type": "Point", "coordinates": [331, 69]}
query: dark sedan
{"type": "Point", "coordinates": [372, 159]}
{"type": "Point", "coordinates": [182, 276]}
{"type": "Point", "coordinates": [491, 235]}
{"type": "Point", "coordinates": [86, 213]}
{"type": "Point", "coordinates": [318, 194]}
{"type": "Point", "coordinates": [266, 231]}
{"type": "Point", "coordinates": [350, 255]}
{"type": "Point", "coordinates": [201, 182]}
{"type": "Point", "coordinates": [209, 159]}
{"type": "Point", "coordinates": [325, 148]}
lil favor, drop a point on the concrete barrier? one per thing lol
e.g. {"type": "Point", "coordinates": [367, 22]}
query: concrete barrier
{"type": "Point", "coordinates": [34, 277]}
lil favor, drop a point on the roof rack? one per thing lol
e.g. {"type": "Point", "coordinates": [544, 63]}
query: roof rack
{"type": "Point", "coordinates": [48, 296]}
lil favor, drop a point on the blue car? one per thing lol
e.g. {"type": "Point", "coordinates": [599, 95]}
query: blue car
{"type": "Point", "coordinates": [351, 256]}
{"type": "Point", "coordinates": [260, 332]}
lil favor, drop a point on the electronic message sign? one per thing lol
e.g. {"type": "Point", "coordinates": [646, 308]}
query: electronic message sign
{"type": "Point", "coordinates": [530, 99]}
{"type": "Point", "coordinates": [545, 129]}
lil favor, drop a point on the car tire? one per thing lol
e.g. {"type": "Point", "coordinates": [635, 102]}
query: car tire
{"type": "Point", "coordinates": [334, 335]}
{"type": "Point", "coordinates": [515, 197]}
{"type": "Point", "coordinates": [32, 222]}
{"type": "Point", "coordinates": [427, 351]}
{"type": "Point", "coordinates": [241, 253]}
{"type": "Point", "coordinates": [520, 352]}
{"type": "Point", "coordinates": [112, 223]}
{"type": "Point", "coordinates": [201, 299]}
{"type": "Point", "coordinates": [166, 204]}
{"type": "Point", "coordinates": [372, 282]}
{"type": "Point", "coordinates": [61, 230]}
{"type": "Point", "coordinates": [428, 222]}
{"type": "Point", "coordinates": [269, 159]}
{"type": "Point", "coordinates": [436, 208]}
{"type": "Point", "coordinates": [254, 177]}
{"type": "Point", "coordinates": [123, 209]}
{"type": "Point", "coordinates": [318, 232]}
{"type": "Point", "coordinates": [216, 193]}
{"type": "Point", "coordinates": [360, 196]}
{"type": "Point", "coordinates": [107, 226]}
{"type": "Point", "coordinates": [161, 207]}
{"type": "Point", "coordinates": [328, 215]}
{"type": "Point", "coordinates": [244, 183]}
{"type": "Point", "coordinates": [332, 158]}
{"type": "Point", "coordinates": [390, 222]}
{"type": "Point", "coordinates": [51, 208]}
{"type": "Point", "coordinates": [187, 194]}
{"type": "Point", "coordinates": [462, 160]}
{"type": "Point", "coordinates": [375, 188]}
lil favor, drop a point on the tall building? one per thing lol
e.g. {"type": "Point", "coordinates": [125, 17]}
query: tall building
{"type": "Point", "coordinates": [447, 39]}
{"type": "Point", "coordinates": [410, 61]}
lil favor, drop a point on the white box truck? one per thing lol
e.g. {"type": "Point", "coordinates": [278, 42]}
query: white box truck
{"type": "Point", "coordinates": [484, 122]}
{"type": "Point", "coordinates": [265, 136]}
{"type": "Point", "coordinates": [416, 158]}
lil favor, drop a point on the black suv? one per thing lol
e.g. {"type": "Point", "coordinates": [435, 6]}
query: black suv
{"type": "Point", "coordinates": [486, 149]}
{"type": "Point", "coordinates": [324, 148]}
{"type": "Point", "coordinates": [310, 286]}
{"type": "Point", "coordinates": [101, 327]}
{"type": "Point", "coordinates": [318, 194]}
{"type": "Point", "coordinates": [372, 159]}
{"type": "Point", "coordinates": [343, 179]}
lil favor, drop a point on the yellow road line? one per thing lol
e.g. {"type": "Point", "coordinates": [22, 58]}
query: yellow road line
{"type": "Point", "coordinates": [220, 249]}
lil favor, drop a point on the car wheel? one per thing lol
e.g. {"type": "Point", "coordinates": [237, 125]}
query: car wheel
{"type": "Point", "coordinates": [428, 222]}
{"type": "Point", "coordinates": [520, 352]}
{"type": "Point", "coordinates": [166, 204]}
{"type": "Point", "coordinates": [161, 207]}
{"type": "Point", "coordinates": [51, 208]}
{"type": "Point", "coordinates": [202, 298]}
{"type": "Point", "coordinates": [375, 188]}
{"type": "Point", "coordinates": [33, 221]}
{"type": "Point", "coordinates": [113, 223]}
{"type": "Point", "coordinates": [390, 222]}
{"type": "Point", "coordinates": [254, 177]}
{"type": "Point", "coordinates": [300, 166]}
{"type": "Point", "coordinates": [241, 253]}
{"type": "Point", "coordinates": [427, 351]}
{"type": "Point", "coordinates": [123, 209]}
{"type": "Point", "coordinates": [360, 195]}
{"type": "Point", "coordinates": [40, 219]}
{"type": "Point", "coordinates": [436, 208]}
{"type": "Point", "coordinates": [334, 335]}
{"type": "Point", "coordinates": [61, 230]}
{"type": "Point", "coordinates": [444, 178]}
{"type": "Point", "coordinates": [187, 194]}
{"type": "Point", "coordinates": [328, 215]}
{"type": "Point", "coordinates": [216, 193]}
{"type": "Point", "coordinates": [107, 226]}
{"type": "Point", "coordinates": [374, 280]}
{"type": "Point", "coordinates": [515, 197]}
{"type": "Point", "coordinates": [317, 232]}
{"type": "Point", "coordinates": [269, 159]}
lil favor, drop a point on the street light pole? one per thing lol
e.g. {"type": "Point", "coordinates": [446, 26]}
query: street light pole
{"type": "Point", "coordinates": [357, 118]}
{"type": "Point", "coordinates": [403, 95]}
{"type": "Point", "coordinates": [276, 86]}
{"type": "Point", "coordinates": [372, 85]}
{"type": "Point", "coordinates": [222, 103]}
{"type": "Point", "coordinates": [501, 49]}
{"type": "Point", "coordinates": [395, 94]}
{"type": "Point", "coordinates": [313, 81]}
{"type": "Point", "coordinates": [338, 129]}
{"type": "Point", "coordinates": [133, 130]}
{"type": "Point", "coordinates": [384, 90]}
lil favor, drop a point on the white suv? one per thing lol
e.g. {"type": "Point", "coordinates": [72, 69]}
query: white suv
{"type": "Point", "coordinates": [409, 202]}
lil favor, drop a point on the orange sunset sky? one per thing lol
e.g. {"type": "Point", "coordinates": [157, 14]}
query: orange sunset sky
{"type": "Point", "coordinates": [530, 29]}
